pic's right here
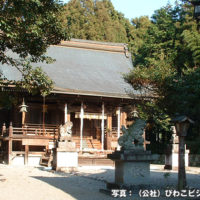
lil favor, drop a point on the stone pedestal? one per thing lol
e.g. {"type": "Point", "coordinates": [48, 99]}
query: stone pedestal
{"type": "Point", "coordinates": [171, 156]}
{"type": "Point", "coordinates": [171, 160]}
{"type": "Point", "coordinates": [65, 156]}
{"type": "Point", "coordinates": [132, 167]}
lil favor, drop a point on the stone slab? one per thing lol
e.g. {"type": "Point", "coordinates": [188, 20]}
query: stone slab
{"type": "Point", "coordinates": [65, 159]}
{"type": "Point", "coordinates": [171, 160]}
{"type": "Point", "coordinates": [33, 160]}
{"type": "Point", "coordinates": [144, 156]}
{"type": "Point", "coordinates": [67, 146]}
{"type": "Point", "coordinates": [132, 167]}
{"type": "Point", "coordinates": [132, 173]}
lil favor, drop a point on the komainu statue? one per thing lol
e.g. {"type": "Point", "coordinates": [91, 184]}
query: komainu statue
{"type": "Point", "coordinates": [132, 138]}
{"type": "Point", "coordinates": [65, 131]}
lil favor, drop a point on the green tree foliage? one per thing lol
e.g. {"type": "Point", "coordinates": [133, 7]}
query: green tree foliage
{"type": "Point", "coordinates": [27, 28]}
{"type": "Point", "coordinates": [167, 63]}
{"type": "Point", "coordinates": [96, 20]}
{"type": "Point", "coordinates": [140, 26]}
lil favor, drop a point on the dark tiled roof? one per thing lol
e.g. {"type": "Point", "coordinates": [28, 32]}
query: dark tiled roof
{"type": "Point", "coordinates": [85, 67]}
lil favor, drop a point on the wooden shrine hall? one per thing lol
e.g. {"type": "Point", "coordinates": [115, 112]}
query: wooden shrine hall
{"type": "Point", "coordinates": [89, 91]}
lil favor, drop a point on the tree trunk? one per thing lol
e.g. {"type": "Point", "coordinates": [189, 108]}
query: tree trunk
{"type": "Point", "coordinates": [181, 166]}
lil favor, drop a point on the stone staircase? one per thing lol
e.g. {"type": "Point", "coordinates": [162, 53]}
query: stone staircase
{"type": "Point", "coordinates": [88, 143]}
{"type": "Point", "coordinates": [85, 144]}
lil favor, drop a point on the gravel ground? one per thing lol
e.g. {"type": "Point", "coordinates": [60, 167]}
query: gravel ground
{"type": "Point", "coordinates": [28, 183]}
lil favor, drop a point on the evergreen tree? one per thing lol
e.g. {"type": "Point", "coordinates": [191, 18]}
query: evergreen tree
{"type": "Point", "coordinates": [167, 63]}
{"type": "Point", "coordinates": [96, 20]}
{"type": "Point", "coordinates": [139, 29]}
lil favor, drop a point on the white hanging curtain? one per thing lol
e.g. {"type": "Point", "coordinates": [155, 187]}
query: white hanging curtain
{"type": "Point", "coordinates": [90, 115]}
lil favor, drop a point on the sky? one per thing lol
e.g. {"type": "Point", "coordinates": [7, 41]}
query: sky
{"type": "Point", "coordinates": [137, 8]}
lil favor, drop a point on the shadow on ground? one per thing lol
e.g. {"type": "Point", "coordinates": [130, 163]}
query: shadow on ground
{"type": "Point", "coordinates": [84, 185]}
{"type": "Point", "coordinates": [78, 186]}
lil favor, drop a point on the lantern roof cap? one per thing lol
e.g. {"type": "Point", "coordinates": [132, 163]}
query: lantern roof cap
{"type": "Point", "coordinates": [181, 119]}
{"type": "Point", "coordinates": [23, 104]}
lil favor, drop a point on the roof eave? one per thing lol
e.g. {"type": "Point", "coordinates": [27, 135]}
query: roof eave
{"type": "Point", "coordinates": [90, 93]}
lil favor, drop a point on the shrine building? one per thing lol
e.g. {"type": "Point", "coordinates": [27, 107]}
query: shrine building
{"type": "Point", "coordinates": [89, 90]}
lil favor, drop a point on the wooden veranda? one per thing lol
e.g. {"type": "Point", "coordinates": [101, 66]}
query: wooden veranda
{"type": "Point", "coordinates": [36, 140]}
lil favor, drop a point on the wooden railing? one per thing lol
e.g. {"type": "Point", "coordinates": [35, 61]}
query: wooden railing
{"type": "Point", "coordinates": [31, 129]}
{"type": "Point", "coordinates": [113, 132]}
{"type": "Point", "coordinates": [112, 138]}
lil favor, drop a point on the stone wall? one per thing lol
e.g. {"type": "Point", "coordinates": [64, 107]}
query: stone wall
{"type": "Point", "coordinates": [194, 160]}
{"type": "Point", "coordinates": [160, 161]}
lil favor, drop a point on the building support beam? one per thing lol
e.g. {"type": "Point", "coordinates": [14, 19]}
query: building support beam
{"type": "Point", "coordinates": [118, 125]}
{"type": "Point", "coordinates": [102, 128]}
{"type": "Point", "coordinates": [26, 154]}
{"type": "Point", "coordinates": [68, 117]}
{"type": "Point", "coordinates": [81, 126]}
{"type": "Point", "coordinates": [10, 143]}
{"type": "Point", "coordinates": [23, 118]}
{"type": "Point", "coordinates": [109, 122]}
{"type": "Point", "coordinates": [109, 130]}
{"type": "Point", "coordinates": [123, 120]}
{"type": "Point", "coordinates": [65, 113]}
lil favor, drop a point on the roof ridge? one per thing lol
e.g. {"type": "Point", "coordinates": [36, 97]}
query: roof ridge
{"type": "Point", "coordinates": [96, 45]}
{"type": "Point", "coordinates": [98, 42]}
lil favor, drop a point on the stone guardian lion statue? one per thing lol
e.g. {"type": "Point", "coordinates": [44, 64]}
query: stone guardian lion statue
{"type": "Point", "coordinates": [132, 138]}
{"type": "Point", "coordinates": [65, 131]}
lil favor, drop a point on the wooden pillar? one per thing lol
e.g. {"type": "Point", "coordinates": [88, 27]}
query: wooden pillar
{"type": "Point", "coordinates": [118, 125]}
{"type": "Point", "coordinates": [145, 141]}
{"type": "Point", "coordinates": [68, 117]}
{"type": "Point", "coordinates": [26, 154]}
{"type": "Point", "coordinates": [81, 126]}
{"type": "Point", "coordinates": [108, 135]}
{"type": "Point", "coordinates": [123, 120]}
{"type": "Point", "coordinates": [102, 128]}
{"type": "Point", "coordinates": [109, 122]}
{"type": "Point", "coordinates": [10, 143]}
{"type": "Point", "coordinates": [23, 118]}
{"type": "Point", "coordinates": [3, 129]}
{"type": "Point", "coordinates": [65, 113]}
{"type": "Point", "coordinates": [43, 116]}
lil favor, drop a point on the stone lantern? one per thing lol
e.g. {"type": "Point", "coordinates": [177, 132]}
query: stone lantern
{"type": "Point", "coordinates": [196, 5]}
{"type": "Point", "coordinates": [23, 110]}
{"type": "Point", "coordinates": [182, 124]}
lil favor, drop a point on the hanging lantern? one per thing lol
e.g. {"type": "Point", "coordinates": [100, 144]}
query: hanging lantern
{"type": "Point", "coordinates": [23, 107]}
{"type": "Point", "coordinates": [135, 112]}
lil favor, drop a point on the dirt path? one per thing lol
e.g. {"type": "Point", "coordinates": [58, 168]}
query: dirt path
{"type": "Point", "coordinates": [28, 183]}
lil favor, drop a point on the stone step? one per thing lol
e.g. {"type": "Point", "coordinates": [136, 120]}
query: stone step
{"type": "Point", "coordinates": [88, 143]}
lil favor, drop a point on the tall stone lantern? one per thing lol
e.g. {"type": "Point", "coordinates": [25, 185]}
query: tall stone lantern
{"type": "Point", "coordinates": [182, 124]}
{"type": "Point", "coordinates": [196, 5]}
